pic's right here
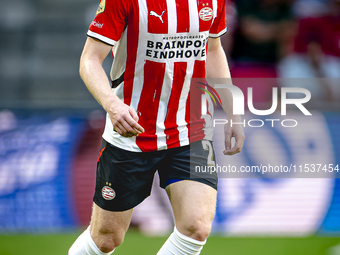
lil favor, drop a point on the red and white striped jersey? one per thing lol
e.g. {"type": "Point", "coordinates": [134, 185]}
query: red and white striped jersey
{"type": "Point", "coordinates": [160, 48]}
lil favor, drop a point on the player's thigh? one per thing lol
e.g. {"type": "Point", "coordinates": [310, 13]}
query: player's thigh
{"type": "Point", "coordinates": [193, 205]}
{"type": "Point", "coordinates": [109, 225]}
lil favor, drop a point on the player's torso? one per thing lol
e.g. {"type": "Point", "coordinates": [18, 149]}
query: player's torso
{"type": "Point", "coordinates": [162, 49]}
{"type": "Point", "coordinates": [162, 36]}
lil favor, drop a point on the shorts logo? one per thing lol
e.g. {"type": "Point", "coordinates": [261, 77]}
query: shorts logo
{"type": "Point", "coordinates": [101, 7]}
{"type": "Point", "coordinates": [206, 14]}
{"type": "Point", "coordinates": [108, 193]}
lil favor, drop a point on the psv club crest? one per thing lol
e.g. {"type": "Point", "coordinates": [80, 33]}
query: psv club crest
{"type": "Point", "coordinates": [206, 14]}
{"type": "Point", "coordinates": [108, 193]}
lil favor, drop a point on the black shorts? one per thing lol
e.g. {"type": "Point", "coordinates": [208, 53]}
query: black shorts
{"type": "Point", "coordinates": [124, 178]}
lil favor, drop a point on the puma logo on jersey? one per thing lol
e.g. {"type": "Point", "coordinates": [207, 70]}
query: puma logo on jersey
{"type": "Point", "coordinates": [152, 13]}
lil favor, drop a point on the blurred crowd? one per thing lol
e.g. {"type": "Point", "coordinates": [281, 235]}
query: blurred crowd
{"type": "Point", "coordinates": [297, 41]}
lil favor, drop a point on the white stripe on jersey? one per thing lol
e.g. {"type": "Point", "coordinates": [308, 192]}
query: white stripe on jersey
{"type": "Point", "coordinates": [163, 106]}
{"type": "Point", "coordinates": [182, 128]}
{"type": "Point", "coordinates": [181, 122]}
{"type": "Point", "coordinates": [215, 8]}
{"type": "Point", "coordinates": [194, 20]}
{"type": "Point", "coordinates": [138, 80]}
{"type": "Point", "coordinates": [172, 17]}
{"type": "Point", "coordinates": [100, 37]}
{"type": "Point", "coordinates": [168, 81]}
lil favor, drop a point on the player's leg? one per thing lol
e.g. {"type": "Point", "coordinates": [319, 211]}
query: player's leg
{"type": "Point", "coordinates": [192, 196]}
{"type": "Point", "coordinates": [108, 228]}
{"type": "Point", "coordinates": [123, 180]}
{"type": "Point", "coordinates": [193, 204]}
{"type": "Point", "coordinates": [105, 233]}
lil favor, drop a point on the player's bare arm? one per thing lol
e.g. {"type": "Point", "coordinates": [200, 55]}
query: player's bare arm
{"type": "Point", "coordinates": [123, 117]}
{"type": "Point", "coordinates": [217, 67]}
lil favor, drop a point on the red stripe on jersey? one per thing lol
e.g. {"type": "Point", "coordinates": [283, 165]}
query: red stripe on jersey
{"type": "Point", "coordinates": [193, 107]}
{"type": "Point", "coordinates": [157, 17]}
{"type": "Point", "coordinates": [170, 124]}
{"type": "Point", "coordinates": [183, 19]}
{"type": "Point", "coordinates": [205, 14]}
{"type": "Point", "coordinates": [149, 104]}
{"type": "Point", "coordinates": [132, 46]}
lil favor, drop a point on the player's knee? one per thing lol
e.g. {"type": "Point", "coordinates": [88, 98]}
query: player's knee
{"type": "Point", "coordinates": [118, 240]}
{"type": "Point", "coordinates": [106, 246]}
{"type": "Point", "coordinates": [197, 229]}
{"type": "Point", "coordinates": [110, 241]}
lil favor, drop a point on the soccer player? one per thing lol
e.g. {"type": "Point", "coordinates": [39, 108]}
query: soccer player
{"type": "Point", "coordinates": [160, 47]}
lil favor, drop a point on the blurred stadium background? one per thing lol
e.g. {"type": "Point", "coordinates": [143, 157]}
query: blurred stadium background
{"type": "Point", "coordinates": [50, 132]}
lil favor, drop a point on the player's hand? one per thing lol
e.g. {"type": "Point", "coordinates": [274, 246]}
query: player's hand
{"type": "Point", "coordinates": [125, 120]}
{"type": "Point", "coordinates": [237, 132]}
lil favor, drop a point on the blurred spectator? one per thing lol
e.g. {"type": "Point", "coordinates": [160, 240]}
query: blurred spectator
{"type": "Point", "coordinates": [310, 8]}
{"type": "Point", "coordinates": [317, 52]}
{"type": "Point", "coordinates": [325, 29]}
{"type": "Point", "coordinates": [264, 27]}
{"type": "Point", "coordinates": [264, 31]}
{"type": "Point", "coordinates": [228, 38]}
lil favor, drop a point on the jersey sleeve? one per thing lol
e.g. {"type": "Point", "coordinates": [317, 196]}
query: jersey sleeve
{"type": "Point", "coordinates": [219, 26]}
{"type": "Point", "coordinates": [109, 22]}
